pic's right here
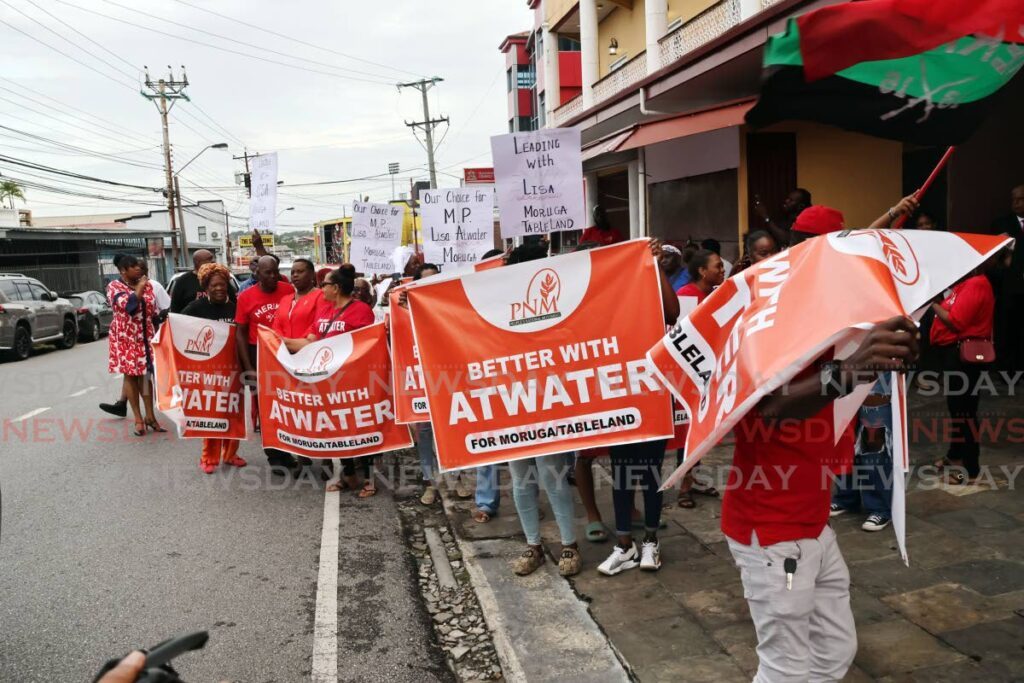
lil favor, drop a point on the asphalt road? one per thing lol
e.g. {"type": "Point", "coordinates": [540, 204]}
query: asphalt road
{"type": "Point", "coordinates": [111, 542]}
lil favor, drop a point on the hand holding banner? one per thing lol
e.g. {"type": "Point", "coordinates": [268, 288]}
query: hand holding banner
{"type": "Point", "coordinates": [198, 378]}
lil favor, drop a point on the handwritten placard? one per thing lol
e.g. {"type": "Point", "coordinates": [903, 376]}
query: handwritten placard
{"type": "Point", "coordinates": [263, 188]}
{"type": "Point", "coordinates": [539, 181]}
{"type": "Point", "coordinates": [376, 233]}
{"type": "Point", "coordinates": [458, 226]}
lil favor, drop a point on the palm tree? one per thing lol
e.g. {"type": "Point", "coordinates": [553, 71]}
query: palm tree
{"type": "Point", "coordinates": [10, 190]}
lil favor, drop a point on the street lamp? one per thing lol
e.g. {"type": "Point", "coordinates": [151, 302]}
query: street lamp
{"type": "Point", "coordinates": [177, 194]}
{"type": "Point", "coordinates": [290, 208]}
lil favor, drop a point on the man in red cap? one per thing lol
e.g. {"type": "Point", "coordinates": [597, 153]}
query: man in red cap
{"type": "Point", "coordinates": [816, 220]}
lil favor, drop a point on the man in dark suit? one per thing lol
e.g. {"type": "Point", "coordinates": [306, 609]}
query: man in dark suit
{"type": "Point", "coordinates": [1009, 322]}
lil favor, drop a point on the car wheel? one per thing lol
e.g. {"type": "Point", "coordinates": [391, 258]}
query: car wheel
{"type": "Point", "coordinates": [69, 335]}
{"type": "Point", "coordinates": [22, 347]}
{"type": "Point", "coordinates": [89, 330]}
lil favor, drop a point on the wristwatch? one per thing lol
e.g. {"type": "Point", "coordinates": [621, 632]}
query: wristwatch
{"type": "Point", "coordinates": [832, 379]}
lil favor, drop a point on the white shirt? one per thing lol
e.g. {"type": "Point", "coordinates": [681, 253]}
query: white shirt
{"type": "Point", "coordinates": [163, 299]}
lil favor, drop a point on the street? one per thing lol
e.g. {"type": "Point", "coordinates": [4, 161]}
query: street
{"type": "Point", "coordinates": [111, 542]}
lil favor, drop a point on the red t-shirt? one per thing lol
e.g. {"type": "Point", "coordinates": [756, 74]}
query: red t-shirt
{"type": "Point", "coordinates": [971, 307]}
{"type": "Point", "coordinates": [329, 323]}
{"type": "Point", "coordinates": [602, 237]}
{"type": "Point", "coordinates": [294, 317]}
{"type": "Point", "coordinates": [256, 307]}
{"type": "Point", "coordinates": [780, 485]}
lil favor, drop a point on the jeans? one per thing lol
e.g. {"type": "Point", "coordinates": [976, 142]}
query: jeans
{"type": "Point", "coordinates": [488, 492]}
{"type": "Point", "coordinates": [425, 448]}
{"type": "Point", "coordinates": [869, 486]}
{"type": "Point", "coordinates": [636, 464]}
{"type": "Point", "coordinates": [552, 471]}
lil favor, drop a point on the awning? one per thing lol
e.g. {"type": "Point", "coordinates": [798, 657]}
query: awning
{"type": "Point", "coordinates": [690, 124]}
{"type": "Point", "coordinates": [606, 145]}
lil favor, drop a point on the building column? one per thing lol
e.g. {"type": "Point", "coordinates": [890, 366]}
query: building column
{"type": "Point", "coordinates": [552, 86]}
{"type": "Point", "coordinates": [656, 26]}
{"type": "Point", "coordinates": [635, 229]}
{"type": "Point", "coordinates": [590, 193]}
{"type": "Point", "coordinates": [749, 8]}
{"type": "Point", "coordinates": [589, 50]}
{"type": "Point", "coordinates": [641, 172]}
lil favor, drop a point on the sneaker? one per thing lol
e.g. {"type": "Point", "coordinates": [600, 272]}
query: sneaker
{"type": "Point", "coordinates": [429, 495]}
{"type": "Point", "coordinates": [462, 489]}
{"type": "Point", "coordinates": [834, 510]}
{"type": "Point", "coordinates": [118, 408]}
{"type": "Point", "coordinates": [531, 559]}
{"type": "Point", "coordinates": [875, 523]}
{"type": "Point", "coordinates": [620, 560]}
{"type": "Point", "coordinates": [569, 562]}
{"type": "Point", "coordinates": [650, 556]}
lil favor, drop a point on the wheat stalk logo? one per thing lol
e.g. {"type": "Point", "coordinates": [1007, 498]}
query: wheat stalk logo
{"type": "Point", "coordinates": [893, 255]}
{"type": "Point", "coordinates": [547, 287]}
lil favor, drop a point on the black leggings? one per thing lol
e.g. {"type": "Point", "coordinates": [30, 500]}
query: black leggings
{"type": "Point", "coordinates": [962, 402]}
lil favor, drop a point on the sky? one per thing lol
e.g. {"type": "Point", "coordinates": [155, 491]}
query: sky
{"type": "Point", "coordinates": [72, 72]}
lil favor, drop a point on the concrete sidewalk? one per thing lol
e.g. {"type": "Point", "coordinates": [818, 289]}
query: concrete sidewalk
{"type": "Point", "coordinates": [956, 614]}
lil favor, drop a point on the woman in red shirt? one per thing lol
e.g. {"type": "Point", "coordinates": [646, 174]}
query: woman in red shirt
{"type": "Point", "coordinates": [339, 312]}
{"type": "Point", "coordinates": [965, 314]}
{"type": "Point", "coordinates": [707, 271]}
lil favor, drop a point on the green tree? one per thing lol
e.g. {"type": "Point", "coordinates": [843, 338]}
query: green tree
{"type": "Point", "coordinates": [10, 190]}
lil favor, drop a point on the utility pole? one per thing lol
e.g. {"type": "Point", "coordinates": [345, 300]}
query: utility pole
{"type": "Point", "coordinates": [246, 176]}
{"type": "Point", "coordinates": [427, 124]}
{"type": "Point", "coordinates": [164, 94]}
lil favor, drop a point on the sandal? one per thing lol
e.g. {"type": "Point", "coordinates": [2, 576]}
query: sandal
{"type": "Point", "coordinates": [155, 426]}
{"type": "Point", "coordinates": [369, 490]}
{"type": "Point", "coordinates": [686, 500]}
{"type": "Point", "coordinates": [942, 464]}
{"type": "Point", "coordinates": [527, 563]}
{"type": "Point", "coordinates": [140, 428]}
{"type": "Point", "coordinates": [596, 533]}
{"type": "Point", "coordinates": [481, 516]}
{"type": "Point", "coordinates": [336, 486]}
{"type": "Point", "coordinates": [956, 479]}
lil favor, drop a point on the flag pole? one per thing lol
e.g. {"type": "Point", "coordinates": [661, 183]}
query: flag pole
{"type": "Point", "coordinates": [927, 183]}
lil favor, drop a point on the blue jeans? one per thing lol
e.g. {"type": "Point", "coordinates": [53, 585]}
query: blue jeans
{"type": "Point", "coordinates": [488, 494]}
{"type": "Point", "coordinates": [637, 464]}
{"type": "Point", "coordinates": [552, 471]}
{"type": "Point", "coordinates": [425, 448]}
{"type": "Point", "coordinates": [869, 486]}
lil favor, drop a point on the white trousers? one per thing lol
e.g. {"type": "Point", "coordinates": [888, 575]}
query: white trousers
{"type": "Point", "coordinates": [803, 634]}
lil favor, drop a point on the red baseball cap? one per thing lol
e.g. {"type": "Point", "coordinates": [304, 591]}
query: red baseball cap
{"type": "Point", "coordinates": [819, 220]}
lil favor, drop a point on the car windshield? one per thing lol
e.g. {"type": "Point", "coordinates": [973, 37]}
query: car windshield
{"type": "Point", "coordinates": [75, 300]}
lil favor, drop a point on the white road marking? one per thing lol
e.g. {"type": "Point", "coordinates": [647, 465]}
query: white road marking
{"type": "Point", "coordinates": [325, 625]}
{"type": "Point", "coordinates": [31, 413]}
{"type": "Point", "coordinates": [82, 392]}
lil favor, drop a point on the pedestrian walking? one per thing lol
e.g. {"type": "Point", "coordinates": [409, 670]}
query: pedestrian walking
{"type": "Point", "coordinates": [216, 305]}
{"type": "Point", "coordinates": [131, 332]}
{"type": "Point", "coordinates": [868, 487]}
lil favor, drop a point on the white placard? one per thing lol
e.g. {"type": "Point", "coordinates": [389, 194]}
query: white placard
{"type": "Point", "coordinates": [376, 233]}
{"type": "Point", "coordinates": [263, 192]}
{"type": "Point", "coordinates": [539, 181]}
{"type": "Point", "coordinates": [458, 225]}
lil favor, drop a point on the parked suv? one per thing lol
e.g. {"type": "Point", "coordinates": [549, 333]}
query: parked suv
{"type": "Point", "coordinates": [31, 314]}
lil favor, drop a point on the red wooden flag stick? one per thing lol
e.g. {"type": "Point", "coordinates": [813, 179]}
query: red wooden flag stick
{"type": "Point", "coordinates": [927, 184]}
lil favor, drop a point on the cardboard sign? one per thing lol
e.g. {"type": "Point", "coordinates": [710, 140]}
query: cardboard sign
{"type": "Point", "coordinates": [376, 234]}
{"type": "Point", "coordinates": [332, 399]}
{"type": "Point", "coordinates": [542, 357]}
{"type": "Point", "coordinates": [458, 226]}
{"type": "Point", "coordinates": [198, 378]}
{"type": "Point", "coordinates": [763, 326]}
{"type": "Point", "coordinates": [406, 373]}
{"type": "Point", "coordinates": [539, 181]}
{"type": "Point", "coordinates": [245, 241]}
{"type": "Point", "coordinates": [263, 189]}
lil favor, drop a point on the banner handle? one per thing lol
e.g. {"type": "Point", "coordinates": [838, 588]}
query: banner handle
{"type": "Point", "coordinates": [927, 184]}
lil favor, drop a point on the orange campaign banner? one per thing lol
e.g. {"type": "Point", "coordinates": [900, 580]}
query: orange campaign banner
{"type": "Point", "coordinates": [542, 357]}
{"type": "Point", "coordinates": [489, 263]}
{"type": "Point", "coordinates": [406, 373]}
{"type": "Point", "coordinates": [762, 327]}
{"type": "Point", "coordinates": [331, 399]}
{"type": "Point", "coordinates": [198, 378]}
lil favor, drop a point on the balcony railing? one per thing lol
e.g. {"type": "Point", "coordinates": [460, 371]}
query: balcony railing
{"type": "Point", "coordinates": [702, 29]}
{"type": "Point", "coordinates": [765, 4]}
{"type": "Point", "coordinates": [568, 110]}
{"type": "Point", "coordinates": [626, 75]}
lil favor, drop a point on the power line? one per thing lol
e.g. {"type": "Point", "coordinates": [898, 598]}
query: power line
{"type": "Point", "coordinates": [45, 114]}
{"type": "Point", "coordinates": [217, 124]}
{"type": "Point", "coordinates": [296, 40]}
{"type": "Point", "coordinates": [75, 148]}
{"type": "Point", "coordinates": [71, 174]}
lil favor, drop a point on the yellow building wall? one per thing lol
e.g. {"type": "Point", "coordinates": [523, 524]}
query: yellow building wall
{"type": "Point", "coordinates": [626, 26]}
{"type": "Point", "coordinates": [857, 174]}
{"type": "Point", "coordinates": [687, 9]}
{"type": "Point", "coordinates": [557, 10]}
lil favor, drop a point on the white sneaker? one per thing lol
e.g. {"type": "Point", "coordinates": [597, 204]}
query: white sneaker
{"type": "Point", "coordinates": [619, 561]}
{"type": "Point", "coordinates": [836, 510]}
{"type": "Point", "coordinates": [650, 556]}
{"type": "Point", "coordinates": [875, 523]}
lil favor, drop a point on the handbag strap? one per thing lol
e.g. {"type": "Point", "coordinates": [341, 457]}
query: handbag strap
{"type": "Point", "coordinates": [335, 317]}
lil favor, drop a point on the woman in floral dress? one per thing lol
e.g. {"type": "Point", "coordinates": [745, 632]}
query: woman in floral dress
{"type": "Point", "coordinates": [131, 334]}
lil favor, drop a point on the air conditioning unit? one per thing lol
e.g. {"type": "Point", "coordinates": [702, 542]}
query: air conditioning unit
{"type": "Point", "coordinates": [215, 235]}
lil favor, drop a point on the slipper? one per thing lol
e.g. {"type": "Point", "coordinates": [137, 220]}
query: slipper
{"type": "Point", "coordinates": [596, 533]}
{"type": "Point", "coordinates": [686, 501]}
{"type": "Point", "coordinates": [336, 486]}
{"type": "Point", "coordinates": [481, 516]}
{"type": "Point", "coordinates": [368, 490]}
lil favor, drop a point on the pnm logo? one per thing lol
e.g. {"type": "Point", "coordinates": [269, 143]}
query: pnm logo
{"type": "Point", "coordinates": [318, 367]}
{"type": "Point", "coordinates": [541, 302]}
{"type": "Point", "coordinates": [201, 343]}
{"type": "Point", "coordinates": [900, 256]}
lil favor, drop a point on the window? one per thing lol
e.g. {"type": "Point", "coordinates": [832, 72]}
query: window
{"type": "Point", "coordinates": [9, 291]}
{"type": "Point", "coordinates": [202, 233]}
{"type": "Point", "coordinates": [24, 293]}
{"type": "Point", "coordinates": [525, 123]}
{"type": "Point", "coordinates": [539, 49]}
{"type": "Point", "coordinates": [509, 75]}
{"type": "Point", "coordinates": [511, 125]}
{"type": "Point", "coordinates": [567, 44]}
{"type": "Point", "coordinates": [525, 76]}
{"type": "Point", "coordinates": [540, 110]}
{"type": "Point", "coordinates": [38, 291]}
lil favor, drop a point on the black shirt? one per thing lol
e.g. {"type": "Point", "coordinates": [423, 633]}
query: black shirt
{"type": "Point", "coordinates": [204, 308]}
